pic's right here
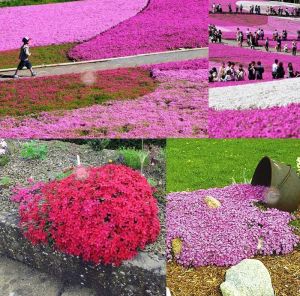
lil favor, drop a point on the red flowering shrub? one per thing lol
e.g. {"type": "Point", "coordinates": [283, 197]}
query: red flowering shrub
{"type": "Point", "coordinates": [103, 214]}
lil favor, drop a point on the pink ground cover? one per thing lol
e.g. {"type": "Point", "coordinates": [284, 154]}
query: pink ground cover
{"type": "Point", "coordinates": [275, 122]}
{"type": "Point", "coordinates": [220, 52]}
{"type": "Point", "coordinates": [230, 233]}
{"type": "Point", "coordinates": [177, 108]}
{"type": "Point", "coordinates": [163, 25]}
{"type": "Point", "coordinates": [63, 22]}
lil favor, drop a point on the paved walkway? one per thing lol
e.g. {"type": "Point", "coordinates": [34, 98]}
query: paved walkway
{"type": "Point", "coordinates": [17, 279]}
{"type": "Point", "coordinates": [113, 63]}
{"type": "Point", "coordinates": [260, 48]}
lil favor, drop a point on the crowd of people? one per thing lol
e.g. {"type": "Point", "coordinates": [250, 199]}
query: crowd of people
{"type": "Point", "coordinates": [255, 71]}
{"type": "Point", "coordinates": [252, 39]}
{"type": "Point", "coordinates": [256, 9]}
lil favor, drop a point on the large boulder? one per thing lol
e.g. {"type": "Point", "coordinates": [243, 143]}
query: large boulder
{"type": "Point", "coordinates": [249, 277]}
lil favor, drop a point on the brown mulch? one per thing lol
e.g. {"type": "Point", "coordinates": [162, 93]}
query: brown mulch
{"type": "Point", "coordinates": [205, 281]}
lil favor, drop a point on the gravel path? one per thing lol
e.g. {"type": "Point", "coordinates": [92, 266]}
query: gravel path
{"type": "Point", "coordinates": [257, 95]}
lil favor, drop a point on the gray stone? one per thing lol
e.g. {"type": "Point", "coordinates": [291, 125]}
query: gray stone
{"type": "Point", "coordinates": [145, 275]}
{"type": "Point", "coordinates": [248, 278]}
{"type": "Point", "coordinates": [17, 279]}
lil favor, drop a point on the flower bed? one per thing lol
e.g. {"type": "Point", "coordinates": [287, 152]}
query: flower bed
{"type": "Point", "coordinates": [63, 22]}
{"type": "Point", "coordinates": [275, 122]}
{"type": "Point", "coordinates": [219, 53]}
{"type": "Point", "coordinates": [103, 214]}
{"type": "Point", "coordinates": [177, 108]}
{"type": "Point", "coordinates": [225, 235]}
{"type": "Point", "coordinates": [163, 25]}
{"type": "Point", "coordinates": [72, 91]}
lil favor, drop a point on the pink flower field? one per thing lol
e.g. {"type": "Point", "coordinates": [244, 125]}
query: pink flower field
{"type": "Point", "coordinates": [63, 22]}
{"type": "Point", "coordinates": [177, 108]}
{"type": "Point", "coordinates": [275, 122]}
{"type": "Point", "coordinates": [228, 24]}
{"type": "Point", "coordinates": [163, 25]}
{"type": "Point", "coordinates": [220, 52]}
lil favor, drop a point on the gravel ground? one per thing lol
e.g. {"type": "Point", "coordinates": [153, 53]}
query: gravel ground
{"type": "Point", "coordinates": [62, 156]}
{"type": "Point", "coordinates": [253, 96]}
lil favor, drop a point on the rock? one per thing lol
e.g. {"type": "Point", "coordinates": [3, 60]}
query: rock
{"type": "Point", "coordinates": [176, 246]}
{"type": "Point", "coordinates": [168, 292]}
{"type": "Point", "coordinates": [249, 277]}
{"type": "Point", "coordinates": [212, 202]}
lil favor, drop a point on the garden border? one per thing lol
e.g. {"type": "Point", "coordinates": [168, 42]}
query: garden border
{"type": "Point", "coordinates": [145, 275]}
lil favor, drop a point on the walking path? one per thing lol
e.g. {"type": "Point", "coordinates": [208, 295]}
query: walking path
{"type": "Point", "coordinates": [17, 279]}
{"type": "Point", "coordinates": [113, 63]}
{"type": "Point", "coordinates": [261, 47]}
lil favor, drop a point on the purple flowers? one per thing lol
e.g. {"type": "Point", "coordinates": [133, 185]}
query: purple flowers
{"type": "Point", "coordinates": [223, 236]}
{"type": "Point", "coordinates": [163, 25]}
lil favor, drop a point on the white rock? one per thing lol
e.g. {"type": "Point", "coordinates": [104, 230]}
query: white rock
{"type": "Point", "coordinates": [168, 292]}
{"type": "Point", "coordinates": [248, 278]}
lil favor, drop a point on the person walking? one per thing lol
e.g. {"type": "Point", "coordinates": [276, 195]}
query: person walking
{"type": "Point", "coordinates": [267, 44]}
{"type": "Point", "coordinates": [294, 48]}
{"type": "Point", "coordinates": [24, 58]}
{"type": "Point", "coordinates": [274, 69]}
{"type": "Point", "coordinates": [259, 70]}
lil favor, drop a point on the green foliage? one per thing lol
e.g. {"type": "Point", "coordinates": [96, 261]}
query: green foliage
{"type": "Point", "coordinates": [4, 159]}
{"type": "Point", "coordinates": [63, 175]}
{"type": "Point", "coordinates": [98, 144]}
{"type": "Point", "coordinates": [9, 3]}
{"type": "Point", "coordinates": [5, 182]}
{"type": "Point", "coordinates": [135, 159]}
{"type": "Point", "coordinates": [34, 150]}
{"type": "Point", "coordinates": [205, 163]}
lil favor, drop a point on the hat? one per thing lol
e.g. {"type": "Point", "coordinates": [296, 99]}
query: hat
{"type": "Point", "coordinates": [25, 39]}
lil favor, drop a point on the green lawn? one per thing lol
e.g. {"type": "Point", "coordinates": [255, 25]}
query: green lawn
{"type": "Point", "coordinates": [51, 54]}
{"type": "Point", "coordinates": [199, 164]}
{"type": "Point", "coordinates": [9, 3]}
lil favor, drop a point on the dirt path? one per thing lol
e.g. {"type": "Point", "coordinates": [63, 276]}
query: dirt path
{"type": "Point", "coordinates": [113, 63]}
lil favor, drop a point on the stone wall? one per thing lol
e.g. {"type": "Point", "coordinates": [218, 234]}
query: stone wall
{"type": "Point", "coordinates": [145, 275]}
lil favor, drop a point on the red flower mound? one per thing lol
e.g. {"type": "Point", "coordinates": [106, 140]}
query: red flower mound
{"type": "Point", "coordinates": [103, 214]}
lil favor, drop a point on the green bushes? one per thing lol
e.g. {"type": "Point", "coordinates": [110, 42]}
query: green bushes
{"type": "Point", "coordinates": [34, 150]}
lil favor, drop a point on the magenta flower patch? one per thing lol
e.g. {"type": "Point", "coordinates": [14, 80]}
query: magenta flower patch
{"type": "Point", "coordinates": [275, 122]}
{"type": "Point", "coordinates": [63, 22]}
{"type": "Point", "coordinates": [163, 25]}
{"type": "Point", "coordinates": [230, 233]}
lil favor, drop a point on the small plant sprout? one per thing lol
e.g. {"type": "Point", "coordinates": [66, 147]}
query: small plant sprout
{"type": "Point", "coordinates": [143, 155]}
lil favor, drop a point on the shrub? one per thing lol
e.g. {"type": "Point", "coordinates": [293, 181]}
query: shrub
{"type": "Point", "coordinates": [4, 159]}
{"type": "Point", "coordinates": [5, 182]}
{"type": "Point", "coordinates": [135, 159]}
{"type": "Point", "coordinates": [34, 150]}
{"type": "Point", "coordinates": [103, 214]}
